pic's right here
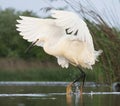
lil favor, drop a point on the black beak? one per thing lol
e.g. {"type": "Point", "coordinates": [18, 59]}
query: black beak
{"type": "Point", "coordinates": [31, 45]}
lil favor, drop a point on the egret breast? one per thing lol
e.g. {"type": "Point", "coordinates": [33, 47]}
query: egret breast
{"type": "Point", "coordinates": [78, 53]}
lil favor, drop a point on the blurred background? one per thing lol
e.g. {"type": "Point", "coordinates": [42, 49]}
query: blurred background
{"type": "Point", "coordinates": [102, 18]}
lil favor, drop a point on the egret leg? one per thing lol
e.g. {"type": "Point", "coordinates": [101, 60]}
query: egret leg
{"type": "Point", "coordinates": [82, 76]}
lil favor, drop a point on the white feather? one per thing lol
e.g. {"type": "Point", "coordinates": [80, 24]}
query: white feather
{"type": "Point", "coordinates": [74, 22]}
{"type": "Point", "coordinates": [34, 28]}
{"type": "Point", "coordinates": [64, 63]}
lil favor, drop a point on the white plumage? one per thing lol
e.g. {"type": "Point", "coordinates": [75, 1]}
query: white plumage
{"type": "Point", "coordinates": [65, 36]}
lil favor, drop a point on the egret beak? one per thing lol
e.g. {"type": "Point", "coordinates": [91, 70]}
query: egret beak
{"type": "Point", "coordinates": [31, 45]}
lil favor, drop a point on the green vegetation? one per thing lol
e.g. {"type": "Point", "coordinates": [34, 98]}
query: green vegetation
{"type": "Point", "coordinates": [11, 44]}
{"type": "Point", "coordinates": [43, 74]}
{"type": "Point", "coordinates": [107, 39]}
{"type": "Point", "coordinates": [12, 47]}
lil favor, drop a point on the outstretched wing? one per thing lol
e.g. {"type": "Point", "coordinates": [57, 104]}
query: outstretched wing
{"type": "Point", "coordinates": [32, 29]}
{"type": "Point", "coordinates": [73, 25]}
{"type": "Point", "coordinates": [35, 28]}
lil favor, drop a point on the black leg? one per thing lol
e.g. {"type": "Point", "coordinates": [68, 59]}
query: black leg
{"type": "Point", "coordinates": [82, 76]}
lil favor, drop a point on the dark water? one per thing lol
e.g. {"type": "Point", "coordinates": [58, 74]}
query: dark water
{"type": "Point", "coordinates": [49, 95]}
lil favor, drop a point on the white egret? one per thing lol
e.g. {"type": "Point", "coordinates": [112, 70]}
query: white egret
{"type": "Point", "coordinates": [65, 36]}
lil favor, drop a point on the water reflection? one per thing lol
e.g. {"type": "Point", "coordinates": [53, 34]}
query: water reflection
{"type": "Point", "coordinates": [21, 104]}
{"type": "Point", "coordinates": [74, 100]}
{"type": "Point", "coordinates": [93, 98]}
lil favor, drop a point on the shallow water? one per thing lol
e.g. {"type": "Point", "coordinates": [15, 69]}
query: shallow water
{"type": "Point", "coordinates": [53, 94]}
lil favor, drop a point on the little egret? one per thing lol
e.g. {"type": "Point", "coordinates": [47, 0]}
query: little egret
{"type": "Point", "coordinates": [66, 36]}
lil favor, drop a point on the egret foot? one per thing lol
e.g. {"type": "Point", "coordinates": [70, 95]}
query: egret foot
{"type": "Point", "coordinates": [81, 90]}
{"type": "Point", "coordinates": [69, 88]}
{"type": "Point", "coordinates": [82, 76]}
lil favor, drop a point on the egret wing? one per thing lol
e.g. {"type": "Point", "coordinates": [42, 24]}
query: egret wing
{"type": "Point", "coordinates": [35, 28]}
{"type": "Point", "coordinates": [73, 25]}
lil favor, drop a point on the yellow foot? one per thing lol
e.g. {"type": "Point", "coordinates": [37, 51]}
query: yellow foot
{"type": "Point", "coordinates": [69, 88]}
{"type": "Point", "coordinates": [81, 90]}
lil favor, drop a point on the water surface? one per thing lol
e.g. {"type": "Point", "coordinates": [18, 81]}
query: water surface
{"type": "Point", "coordinates": [53, 94]}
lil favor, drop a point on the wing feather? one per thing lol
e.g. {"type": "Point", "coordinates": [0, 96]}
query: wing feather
{"type": "Point", "coordinates": [72, 21]}
{"type": "Point", "coordinates": [35, 28]}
